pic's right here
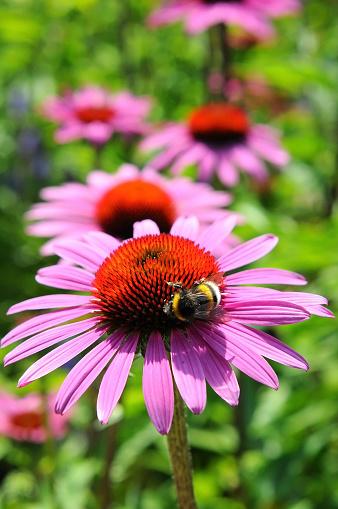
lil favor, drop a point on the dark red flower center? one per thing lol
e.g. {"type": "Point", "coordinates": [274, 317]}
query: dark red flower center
{"type": "Point", "coordinates": [27, 420]}
{"type": "Point", "coordinates": [132, 283]}
{"type": "Point", "coordinates": [95, 114]}
{"type": "Point", "coordinates": [218, 123]}
{"type": "Point", "coordinates": [133, 201]}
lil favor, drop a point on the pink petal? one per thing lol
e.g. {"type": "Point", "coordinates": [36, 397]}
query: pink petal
{"type": "Point", "coordinates": [188, 372]}
{"type": "Point", "coordinates": [67, 278]}
{"type": "Point", "coordinates": [186, 227]}
{"type": "Point", "coordinates": [48, 338]}
{"type": "Point", "coordinates": [227, 173]}
{"type": "Point", "coordinates": [267, 312]}
{"type": "Point", "coordinates": [244, 358]}
{"type": "Point", "coordinates": [216, 233]}
{"type": "Point", "coordinates": [61, 355]}
{"type": "Point", "coordinates": [158, 385]}
{"type": "Point", "coordinates": [81, 254]}
{"type": "Point", "coordinates": [50, 301]}
{"type": "Point", "coordinates": [266, 345]}
{"type": "Point", "coordinates": [115, 378]}
{"type": "Point", "coordinates": [145, 227]}
{"type": "Point", "coordinates": [217, 370]}
{"type": "Point", "coordinates": [42, 322]}
{"type": "Point", "coordinates": [248, 252]}
{"type": "Point", "coordinates": [266, 276]}
{"type": "Point", "coordinates": [86, 371]}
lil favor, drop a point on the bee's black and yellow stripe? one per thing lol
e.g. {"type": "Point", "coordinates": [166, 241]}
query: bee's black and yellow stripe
{"type": "Point", "coordinates": [196, 302]}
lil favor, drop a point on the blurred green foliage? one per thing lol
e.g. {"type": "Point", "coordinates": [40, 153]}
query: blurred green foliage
{"type": "Point", "coordinates": [277, 449]}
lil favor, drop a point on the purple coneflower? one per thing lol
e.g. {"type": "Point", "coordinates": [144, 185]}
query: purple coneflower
{"type": "Point", "coordinates": [95, 114]}
{"type": "Point", "coordinates": [137, 301]}
{"type": "Point", "coordinates": [24, 419]}
{"type": "Point", "coordinates": [198, 15]}
{"type": "Point", "coordinates": [113, 203]}
{"type": "Point", "coordinates": [219, 138]}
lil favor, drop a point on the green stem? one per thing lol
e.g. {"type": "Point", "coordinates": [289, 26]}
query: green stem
{"type": "Point", "coordinates": [179, 452]}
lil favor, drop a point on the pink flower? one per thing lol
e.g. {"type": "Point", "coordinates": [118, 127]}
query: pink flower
{"type": "Point", "coordinates": [112, 203]}
{"type": "Point", "coordinates": [95, 114]}
{"type": "Point", "coordinates": [219, 138]}
{"type": "Point", "coordinates": [198, 15]}
{"type": "Point", "coordinates": [25, 418]}
{"type": "Point", "coordinates": [138, 298]}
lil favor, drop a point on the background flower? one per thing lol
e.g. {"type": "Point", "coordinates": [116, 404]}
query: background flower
{"type": "Point", "coordinates": [95, 114]}
{"type": "Point", "coordinates": [219, 138]}
{"type": "Point", "coordinates": [112, 203]}
{"type": "Point", "coordinates": [198, 15]}
{"type": "Point", "coordinates": [25, 418]}
{"type": "Point", "coordinates": [129, 298]}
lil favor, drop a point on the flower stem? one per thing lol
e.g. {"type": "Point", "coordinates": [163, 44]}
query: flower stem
{"type": "Point", "coordinates": [180, 456]}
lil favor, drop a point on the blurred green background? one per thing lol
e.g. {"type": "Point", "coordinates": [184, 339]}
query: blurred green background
{"type": "Point", "coordinates": [277, 449]}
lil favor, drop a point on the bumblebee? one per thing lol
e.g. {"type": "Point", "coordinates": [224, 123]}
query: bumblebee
{"type": "Point", "coordinates": [197, 302]}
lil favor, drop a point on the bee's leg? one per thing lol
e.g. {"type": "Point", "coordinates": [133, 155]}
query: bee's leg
{"type": "Point", "coordinates": [174, 285]}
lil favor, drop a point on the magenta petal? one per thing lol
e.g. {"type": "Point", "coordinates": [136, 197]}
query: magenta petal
{"type": "Point", "coordinates": [266, 276]}
{"type": "Point", "coordinates": [50, 301]}
{"type": "Point", "coordinates": [86, 371]}
{"type": "Point", "coordinates": [145, 227]}
{"type": "Point", "coordinates": [188, 372]}
{"type": "Point", "coordinates": [266, 345]}
{"type": "Point", "coordinates": [100, 240]}
{"type": "Point", "coordinates": [214, 234]}
{"type": "Point", "coordinates": [48, 338]}
{"type": "Point", "coordinates": [158, 385]}
{"type": "Point", "coordinates": [115, 378]}
{"type": "Point", "coordinates": [267, 312]}
{"type": "Point", "coordinates": [80, 253]}
{"type": "Point", "coordinates": [61, 355]}
{"type": "Point", "coordinates": [248, 252]}
{"type": "Point", "coordinates": [217, 370]}
{"type": "Point", "coordinates": [186, 227]}
{"type": "Point", "coordinates": [244, 358]}
{"type": "Point", "coordinates": [42, 322]}
{"type": "Point", "coordinates": [67, 278]}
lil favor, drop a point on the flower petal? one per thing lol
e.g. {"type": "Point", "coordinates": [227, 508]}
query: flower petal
{"type": "Point", "coordinates": [115, 378]}
{"type": "Point", "coordinates": [186, 227]}
{"type": "Point", "coordinates": [61, 355]}
{"type": "Point", "coordinates": [158, 385]}
{"type": "Point", "coordinates": [86, 371]}
{"type": "Point", "coordinates": [266, 276]}
{"type": "Point", "coordinates": [80, 253]}
{"type": "Point", "coordinates": [188, 372]}
{"type": "Point", "coordinates": [267, 312]}
{"type": "Point", "coordinates": [67, 278]}
{"type": "Point", "coordinates": [248, 252]}
{"type": "Point", "coordinates": [145, 227]}
{"type": "Point", "coordinates": [217, 370]}
{"type": "Point", "coordinates": [216, 233]}
{"type": "Point", "coordinates": [50, 301]}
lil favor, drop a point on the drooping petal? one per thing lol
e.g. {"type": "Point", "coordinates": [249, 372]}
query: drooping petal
{"type": "Point", "coordinates": [48, 338]}
{"type": "Point", "coordinates": [217, 370]}
{"type": "Point", "coordinates": [61, 355]}
{"type": "Point", "coordinates": [78, 252]}
{"type": "Point", "coordinates": [50, 301]}
{"type": "Point", "coordinates": [244, 358]}
{"type": "Point", "coordinates": [188, 372]}
{"type": "Point", "coordinates": [267, 312]}
{"type": "Point", "coordinates": [42, 322]}
{"type": "Point", "coordinates": [100, 240]}
{"type": "Point", "coordinates": [186, 227]}
{"type": "Point", "coordinates": [115, 378]}
{"type": "Point", "coordinates": [86, 371]}
{"type": "Point", "coordinates": [158, 385]}
{"type": "Point", "coordinates": [67, 278]}
{"type": "Point", "coordinates": [266, 276]}
{"type": "Point", "coordinates": [265, 345]}
{"type": "Point", "coordinates": [248, 252]}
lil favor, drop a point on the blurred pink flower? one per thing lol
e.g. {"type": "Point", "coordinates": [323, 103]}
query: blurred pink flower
{"type": "Point", "coordinates": [95, 114]}
{"type": "Point", "coordinates": [218, 138]}
{"type": "Point", "coordinates": [198, 15]}
{"type": "Point", "coordinates": [25, 418]}
{"type": "Point", "coordinates": [138, 299]}
{"type": "Point", "coordinates": [112, 203]}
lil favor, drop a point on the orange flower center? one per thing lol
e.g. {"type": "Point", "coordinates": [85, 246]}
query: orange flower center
{"type": "Point", "coordinates": [132, 283]}
{"type": "Point", "coordinates": [218, 123]}
{"type": "Point", "coordinates": [27, 420]}
{"type": "Point", "coordinates": [132, 201]}
{"type": "Point", "coordinates": [95, 114]}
